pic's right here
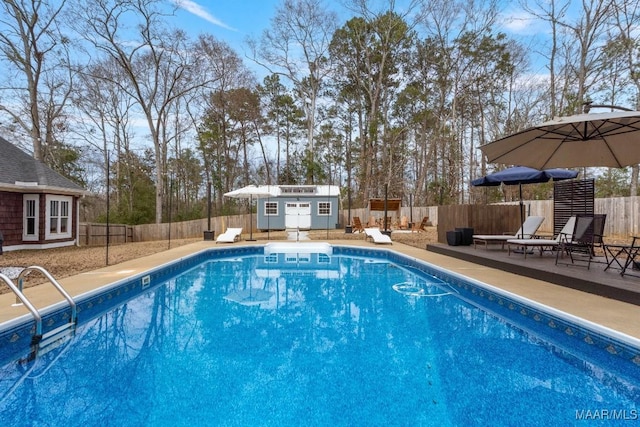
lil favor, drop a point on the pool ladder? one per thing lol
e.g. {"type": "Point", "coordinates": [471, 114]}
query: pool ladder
{"type": "Point", "coordinates": [56, 336]}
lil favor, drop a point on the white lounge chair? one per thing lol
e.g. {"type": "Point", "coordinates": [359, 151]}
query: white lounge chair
{"type": "Point", "coordinates": [542, 244]}
{"type": "Point", "coordinates": [230, 236]}
{"type": "Point", "coordinates": [528, 229]}
{"type": "Point", "coordinates": [377, 236]}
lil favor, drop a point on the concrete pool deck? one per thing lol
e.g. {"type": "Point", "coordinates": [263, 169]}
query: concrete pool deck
{"type": "Point", "coordinates": [617, 315]}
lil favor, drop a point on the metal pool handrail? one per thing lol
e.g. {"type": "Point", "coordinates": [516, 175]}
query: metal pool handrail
{"type": "Point", "coordinates": [21, 298]}
{"type": "Point", "coordinates": [55, 283]}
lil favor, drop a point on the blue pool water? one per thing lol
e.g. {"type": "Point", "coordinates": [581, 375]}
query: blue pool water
{"type": "Point", "coordinates": [315, 339]}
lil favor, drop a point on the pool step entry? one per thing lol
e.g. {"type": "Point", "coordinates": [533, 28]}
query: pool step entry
{"type": "Point", "coordinates": [39, 339]}
{"type": "Point", "coordinates": [55, 338]}
{"type": "Point", "coordinates": [298, 248]}
{"type": "Point", "coordinates": [297, 234]}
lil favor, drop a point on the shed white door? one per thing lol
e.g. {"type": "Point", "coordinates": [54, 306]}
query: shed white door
{"type": "Point", "coordinates": [297, 215]}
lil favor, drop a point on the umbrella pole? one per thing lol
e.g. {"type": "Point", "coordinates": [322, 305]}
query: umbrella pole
{"type": "Point", "coordinates": [521, 212]}
{"type": "Point", "coordinates": [386, 186]}
{"type": "Point", "coordinates": [521, 250]}
{"type": "Point", "coordinates": [251, 218]}
{"type": "Point", "coordinates": [411, 208]}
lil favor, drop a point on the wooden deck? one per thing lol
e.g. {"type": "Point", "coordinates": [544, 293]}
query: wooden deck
{"type": "Point", "coordinates": [595, 280]}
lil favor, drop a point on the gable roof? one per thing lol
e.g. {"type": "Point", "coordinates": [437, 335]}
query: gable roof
{"type": "Point", "coordinates": [21, 172]}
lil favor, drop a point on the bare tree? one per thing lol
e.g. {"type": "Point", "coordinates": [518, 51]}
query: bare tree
{"type": "Point", "coordinates": [38, 82]}
{"type": "Point", "coordinates": [627, 16]}
{"type": "Point", "coordinates": [107, 110]}
{"type": "Point", "coordinates": [552, 12]}
{"type": "Point", "coordinates": [160, 66]}
{"type": "Point", "coordinates": [588, 33]}
{"type": "Point", "coordinates": [576, 52]}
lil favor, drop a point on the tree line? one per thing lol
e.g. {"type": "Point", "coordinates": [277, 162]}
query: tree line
{"type": "Point", "coordinates": [396, 97]}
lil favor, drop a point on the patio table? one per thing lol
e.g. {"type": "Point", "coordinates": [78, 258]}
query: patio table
{"type": "Point", "coordinates": [623, 255]}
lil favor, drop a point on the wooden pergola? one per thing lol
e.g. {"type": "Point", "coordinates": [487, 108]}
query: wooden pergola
{"type": "Point", "coordinates": [393, 205]}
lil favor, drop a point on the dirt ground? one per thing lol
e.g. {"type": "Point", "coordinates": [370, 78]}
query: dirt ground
{"type": "Point", "coordinates": [69, 261]}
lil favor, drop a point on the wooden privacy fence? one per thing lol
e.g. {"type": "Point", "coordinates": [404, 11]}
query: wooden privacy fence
{"type": "Point", "coordinates": [484, 219]}
{"type": "Point", "coordinates": [191, 229]}
{"type": "Point", "coordinates": [623, 219]}
{"type": "Point", "coordinates": [623, 214]}
{"type": "Point", "coordinates": [93, 234]}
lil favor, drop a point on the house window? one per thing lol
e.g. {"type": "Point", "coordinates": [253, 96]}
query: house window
{"type": "Point", "coordinates": [30, 217]}
{"type": "Point", "coordinates": [58, 219]}
{"type": "Point", "coordinates": [53, 216]}
{"type": "Point", "coordinates": [271, 208]}
{"type": "Point", "coordinates": [324, 208]}
{"type": "Point", "coordinates": [64, 217]}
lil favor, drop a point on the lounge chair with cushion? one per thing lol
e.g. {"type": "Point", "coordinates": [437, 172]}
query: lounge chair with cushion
{"type": "Point", "coordinates": [527, 231]}
{"type": "Point", "coordinates": [543, 244]}
{"type": "Point", "coordinates": [232, 235]}
{"type": "Point", "coordinates": [376, 235]}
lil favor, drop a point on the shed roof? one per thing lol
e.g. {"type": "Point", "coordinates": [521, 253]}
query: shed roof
{"type": "Point", "coordinates": [21, 172]}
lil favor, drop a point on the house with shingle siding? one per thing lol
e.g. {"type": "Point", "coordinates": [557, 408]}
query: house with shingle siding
{"type": "Point", "coordinates": [39, 208]}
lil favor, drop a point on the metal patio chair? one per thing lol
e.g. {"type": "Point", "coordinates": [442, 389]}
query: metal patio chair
{"type": "Point", "coordinates": [586, 237]}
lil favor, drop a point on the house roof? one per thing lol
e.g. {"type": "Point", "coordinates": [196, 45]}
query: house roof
{"type": "Point", "coordinates": [21, 172]}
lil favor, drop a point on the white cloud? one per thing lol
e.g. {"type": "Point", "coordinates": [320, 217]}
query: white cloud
{"type": "Point", "coordinates": [522, 23]}
{"type": "Point", "coordinates": [517, 23]}
{"type": "Point", "coordinates": [194, 8]}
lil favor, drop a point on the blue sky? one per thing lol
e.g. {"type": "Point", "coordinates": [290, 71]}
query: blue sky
{"type": "Point", "coordinates": [231, 21]}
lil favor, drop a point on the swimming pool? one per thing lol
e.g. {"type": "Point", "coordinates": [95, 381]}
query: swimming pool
{"type": "Point", "coordinates": [341, 336]}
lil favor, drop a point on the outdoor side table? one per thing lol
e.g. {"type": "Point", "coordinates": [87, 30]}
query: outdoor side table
{"type": "Point", "coordinates": [466, 236]}
{"type": "Point", "coordinates": [454, 238]}
{"type": "Point", "coordinates": [623, 255]}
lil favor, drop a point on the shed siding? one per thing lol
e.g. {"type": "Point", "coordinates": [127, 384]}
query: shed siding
{"type": "Point", "coordinates": [277, 222]}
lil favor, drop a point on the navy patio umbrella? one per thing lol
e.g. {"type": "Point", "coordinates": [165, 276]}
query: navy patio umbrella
{"type": "Point", "coordinates": [519, 175]}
